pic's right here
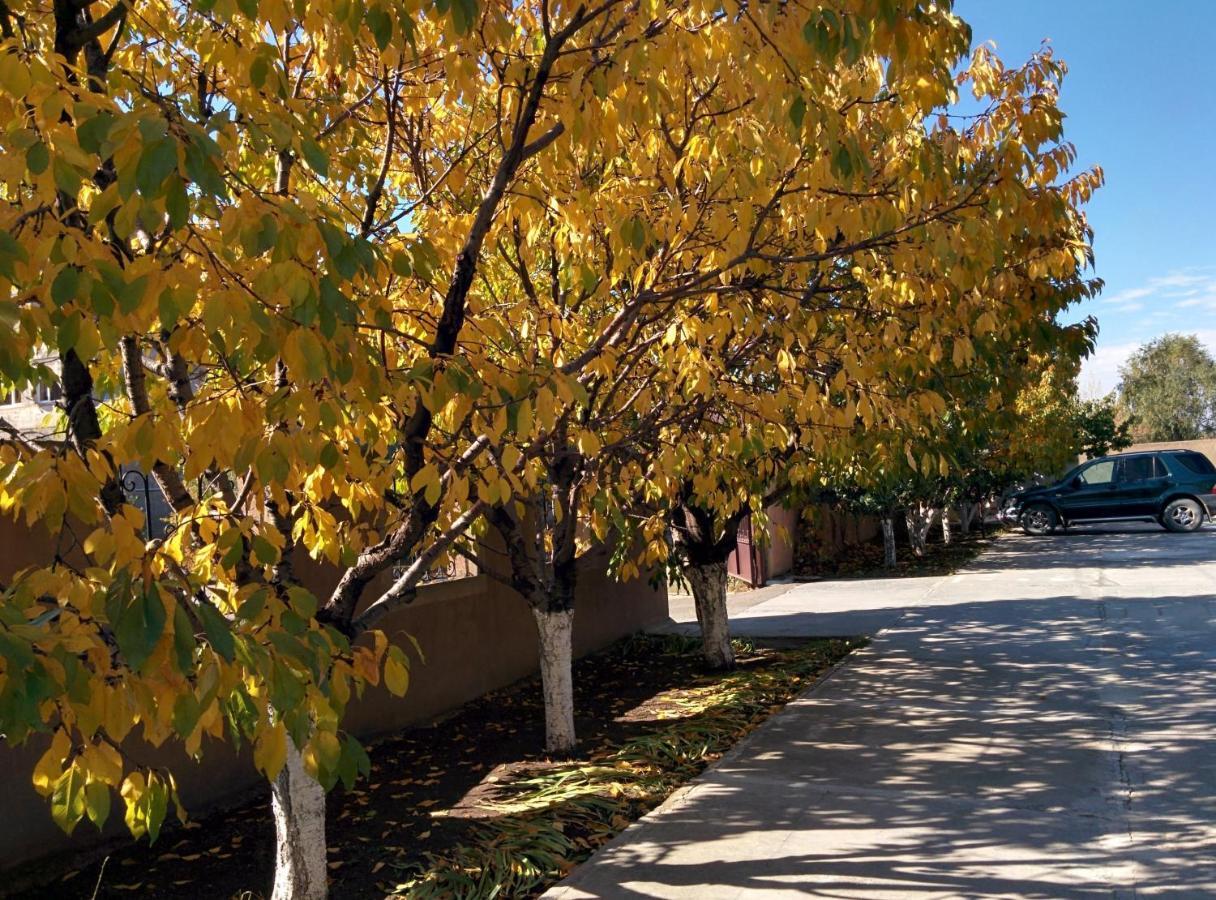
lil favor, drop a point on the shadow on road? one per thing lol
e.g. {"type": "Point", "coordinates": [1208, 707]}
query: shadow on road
{"type": "Point", "coordinates": [1054, 747]}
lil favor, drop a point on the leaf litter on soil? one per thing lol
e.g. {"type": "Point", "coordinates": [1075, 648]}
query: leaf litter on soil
{"type": "Point", "coordinates": [470, 806]}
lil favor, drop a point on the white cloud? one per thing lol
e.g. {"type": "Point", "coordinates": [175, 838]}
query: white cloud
{"type": "Point", "coordinates": [1198, 299]}
{"type": "Point", "coordinates": [1180, 280]}
{"type": "Point", "coordinates": [1100, 372]}
{"type": "Point", "coordinates": [1124, 297]}
{"type": "Point", "coordinates": [1186, 283]}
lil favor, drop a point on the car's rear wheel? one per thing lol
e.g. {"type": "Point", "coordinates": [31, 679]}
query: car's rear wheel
{"type": "Point", "coordinates": [1039, 519]}
{"type": "Point", "coordinates": [1182, 515]}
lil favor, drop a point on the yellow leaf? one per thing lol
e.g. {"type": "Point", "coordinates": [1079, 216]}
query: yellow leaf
{"type": "Point", "coordinates": [50, 765]}
{"type": "Point", "coordinates": [510, 458]}
{"type": "Point", "coordinates": [427, 480]}
{"type": "Point", "coordinates": [396, 672]}
{"type": "Point", "coordinates": [588, 443]}
{"type": "Point", "coordinates": [132, 791]}
{"type": "Point", "coordinates": [14, 74]}
{"type": "Point", "coordinates": [270, 750]}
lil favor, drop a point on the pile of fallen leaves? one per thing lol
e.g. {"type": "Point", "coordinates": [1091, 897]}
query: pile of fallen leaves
{"type": "Point", "coordinates": [547, 821]}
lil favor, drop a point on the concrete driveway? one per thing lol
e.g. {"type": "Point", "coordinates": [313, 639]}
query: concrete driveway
{"type": "Point", "coordinates": [1042, 724]}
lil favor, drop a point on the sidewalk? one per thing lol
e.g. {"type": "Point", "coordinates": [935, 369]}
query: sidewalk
{"type": "Point", "coordinates": [1042, 724]}
{"type": "Point", "coordinates": [841, 608]}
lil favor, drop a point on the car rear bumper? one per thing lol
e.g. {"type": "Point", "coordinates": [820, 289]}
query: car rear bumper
{"type": "Point", "coordinates": [1209, 504]}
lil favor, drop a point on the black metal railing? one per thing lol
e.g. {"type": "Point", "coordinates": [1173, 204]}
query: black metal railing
{"type": "Point", "coordinates": [143, 491]}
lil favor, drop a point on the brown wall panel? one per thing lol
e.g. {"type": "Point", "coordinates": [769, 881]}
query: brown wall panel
{"type": "Point", "coordinates": [476, 635]}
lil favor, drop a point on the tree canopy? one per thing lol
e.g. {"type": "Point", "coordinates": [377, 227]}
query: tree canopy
{"type": "Point", "coordinates": [353, 281]}
{"type": "Point", "coordinates": [1168, 387]}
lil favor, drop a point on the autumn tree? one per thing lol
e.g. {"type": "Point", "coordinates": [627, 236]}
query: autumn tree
{"type": "Point", "coordinates": [631, 281]}
{"type": "Point", "coordinates": [254, 236]}
{"type": "Point", "coordinates": [890, 323]}
{"type": "Point", "coordinates": [250, 232]}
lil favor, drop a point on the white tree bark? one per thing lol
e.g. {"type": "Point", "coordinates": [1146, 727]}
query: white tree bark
{"type": "Point", "coordinates": [298, 805]}
{"type": "Point", "coordinates": [966, 512]}
{"type": "Point", "coordinates": [556, 633]}
{"type": "Point", "coordinates": [709, 592]}
{"type": "Point", "coordinates": [946, 535]}
{"type": "Point", "coordinates": [920, 520]}
{"type": "Point", "coordinates": [888, 542]}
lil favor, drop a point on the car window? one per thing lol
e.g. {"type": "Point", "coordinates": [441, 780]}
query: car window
{"type": "Point", "coordinates": [1139, 468]}
{"type": "Point", "coordinates": [1099, 473]}
{"type": "Point", "coordinates": [1196, 462]}
{"type": "Point", "coordinates": [1074, 472]}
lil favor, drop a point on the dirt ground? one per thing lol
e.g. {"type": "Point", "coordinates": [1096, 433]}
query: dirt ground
{"type": "Point", "coordinates": [427, 788]}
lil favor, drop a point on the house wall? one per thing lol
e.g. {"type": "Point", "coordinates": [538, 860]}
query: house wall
{"type": "Point", "coordinates": [477, 636]}
{"type": "Point", "coordinates": [31, 410]}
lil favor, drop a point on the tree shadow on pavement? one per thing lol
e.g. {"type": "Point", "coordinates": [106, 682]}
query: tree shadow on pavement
{"type": "Point", "coordinates": [1057, 747]}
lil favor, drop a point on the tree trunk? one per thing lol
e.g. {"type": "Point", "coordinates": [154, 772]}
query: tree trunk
{"type": "Point", "coordinates": [920, 520]}
{"type": "Point", "coordinates": [556, 631]}
{"type": "Point", "coordinates": [966, 512]}
{"type": "Point", "coordinates": [708, 583]}
{"type": "Point", "coordinates": [707, 544]}
{"type": "Point", "coordinates": [946, 535]}
{"type": "Point", "coordinates": [888, 542]}
{"type": "Point", "coordinates": [298, 805]}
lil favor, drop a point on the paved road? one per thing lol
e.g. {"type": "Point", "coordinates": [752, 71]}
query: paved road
{"type": "Point", "coordinates": [1041, 725]}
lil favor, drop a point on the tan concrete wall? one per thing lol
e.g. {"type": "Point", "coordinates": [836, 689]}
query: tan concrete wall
{"type": "Point", "coordinates": [1206, 446]}
{"type": "Point", "coordinates": [477, 636]}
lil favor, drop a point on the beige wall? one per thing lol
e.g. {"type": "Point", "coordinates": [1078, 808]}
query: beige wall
{"type": "Point", "coordinates": [26, 412]}
{"type": "Point", "coordinates": [1206, 446]}
{"type": "Point", "coordinates": [476, 634]}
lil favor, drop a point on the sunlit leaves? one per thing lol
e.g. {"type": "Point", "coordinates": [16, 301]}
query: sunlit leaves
{"type": "Point", "coordinates": [769, 240]}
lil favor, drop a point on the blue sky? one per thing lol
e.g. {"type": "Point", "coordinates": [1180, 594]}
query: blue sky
{"type": "Point", "coordinates": [1141, 102]}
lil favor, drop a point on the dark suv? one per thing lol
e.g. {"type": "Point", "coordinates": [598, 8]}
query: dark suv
{"type": "Point", "coordinates": [1172, 487]}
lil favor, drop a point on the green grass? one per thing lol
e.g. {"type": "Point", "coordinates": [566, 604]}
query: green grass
{"type": "Point", "coordinates": [545, 824]}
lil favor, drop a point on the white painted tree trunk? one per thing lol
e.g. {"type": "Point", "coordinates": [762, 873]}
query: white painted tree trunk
{"type": "Point", "coordinates": [298, 804]}
{"type": "Point", "coordinates": [966, 512]}
{"type": "Point", "coordinates": [946, 535]}
{"type": "Point", "coordinates": [709, 592]}
{"type": "Point", "coordinates": [920, 520]}
{"type": "Point", "coordinates": [556, 633]}
{"type": "Point", "coordinates": [888, 542]}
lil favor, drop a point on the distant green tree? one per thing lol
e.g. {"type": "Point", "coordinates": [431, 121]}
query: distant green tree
{"type": "Point", "coordinates": [1100, 427]}
{"type": "Point", "coordinates": [1168, 387]}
